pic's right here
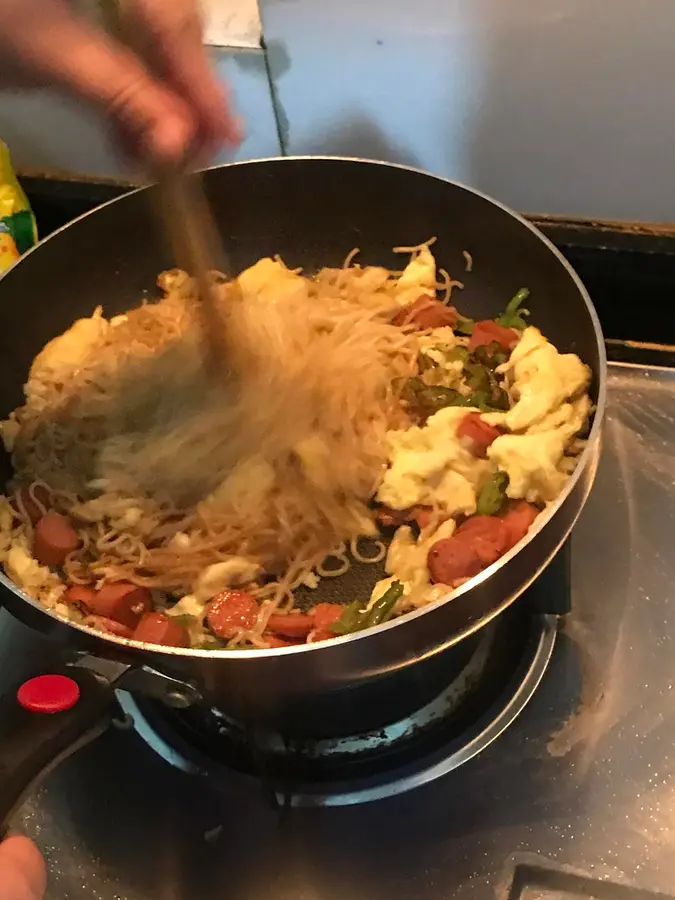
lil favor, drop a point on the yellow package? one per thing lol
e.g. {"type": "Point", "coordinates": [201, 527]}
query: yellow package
{"type": "Point", "coordinates": [18, 230]}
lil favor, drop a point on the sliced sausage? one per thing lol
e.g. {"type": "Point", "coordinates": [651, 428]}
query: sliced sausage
{"type": "Point", "coordinates": [275, 641]}
{"type": "Point", "coordinates": [322, 634]}
{"type": "Point", "coordinates": [35, 502]}
{"type": "Point", "coordinates": [124, 602]}
{"type": "Point", "coordinates": [426, 312]}
{"type": "Point", "coordinates": [100, 623]}
{"type": "Point", "coordinates": [488, 330]}
{"type": "Point", "coordinates": [54, 539]}
{"type": "Point", "coordinates": [80, 595]}
{"type": "Point", "coordinates": [518, 521]}
{"type": "Point", "coordinates": [158, 628]}
{"type": "Point", "coordinates": [490, 547]}
{"type": "Point", "coordinates": [479, 434]}
{"type": "Point", "coordinates": [476, 544]}
{"type": "Point", "coordinates": [325, 615]}
{"type": "Point", "coordinates": [488, 534]}
{"type": "Point", "coordinates": [452, 558]}
{"type": "Point", "coordinates": [230, 612]}
{"type": "Point", "coordinates": [290, 625]}
{"type": "Point", "coordinates": [481, 524]}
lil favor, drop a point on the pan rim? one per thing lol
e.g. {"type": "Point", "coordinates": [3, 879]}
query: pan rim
{"type": "Point", "coordinates": [587, 457]}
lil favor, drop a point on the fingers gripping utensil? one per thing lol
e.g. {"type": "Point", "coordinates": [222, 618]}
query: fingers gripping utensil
{"type": "Point", "coordinates": [183, 209]}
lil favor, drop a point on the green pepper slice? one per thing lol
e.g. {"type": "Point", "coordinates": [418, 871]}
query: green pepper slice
{"type": "Point", "coordinates": [492, 495]}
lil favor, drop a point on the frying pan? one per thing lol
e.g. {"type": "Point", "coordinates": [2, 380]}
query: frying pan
{"type": "Point", "coordinates": [311, 211]}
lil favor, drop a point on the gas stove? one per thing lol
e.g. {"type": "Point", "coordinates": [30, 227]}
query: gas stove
{"type": "Point", "coordinates": [538, 768]}
{"type": "Point", "coordinates": [467, 710]}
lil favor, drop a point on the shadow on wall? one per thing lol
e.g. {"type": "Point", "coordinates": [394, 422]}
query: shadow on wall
{"type": "Point", "coordinates": [360, 136]}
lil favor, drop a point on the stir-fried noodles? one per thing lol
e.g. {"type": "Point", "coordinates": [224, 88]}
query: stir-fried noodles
{"type": "Point", "coordinates": [153, 500]}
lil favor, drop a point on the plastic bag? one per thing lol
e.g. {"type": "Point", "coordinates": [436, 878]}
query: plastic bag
{"type": "Point", "coordinates": [18, 230]}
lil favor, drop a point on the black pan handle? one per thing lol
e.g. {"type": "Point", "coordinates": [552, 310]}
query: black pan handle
{"type": "Point", "coordinates": [33, 742]}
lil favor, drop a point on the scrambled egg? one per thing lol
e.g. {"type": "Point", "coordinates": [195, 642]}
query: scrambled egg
{"type": "Point", "coordinates": [533, 461]}
{"type": "Point", "coordinates": [60, 359]}
{"type": "Point", "coordinates": [270, 281]}
{"type": "Point", "coordinates": [188, 605]}
{"type": "Point", "coordinates": [543, 379]}
{"type": "Point", "coordinates": [36, 580]}
{"type": "Point", "coordinates": [438, 337]}
{"type": "Point", "coordinates": [571, 416]}
{"type": "Point", "coordinates": [430, 466]}
{"type": "Point", "coordinates": [407, 563]}
{"type": "Point", "coordinates": [407, 557]}
{"type": "Point", "coordinates": [546, 415]}
{"type": "Point", "coordinates": [232, 572]}
{"type": "Point", "coordinates": [418, 277]}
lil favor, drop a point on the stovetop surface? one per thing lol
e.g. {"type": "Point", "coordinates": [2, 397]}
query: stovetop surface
{"type": "Point", "coordinates": [575, 799]}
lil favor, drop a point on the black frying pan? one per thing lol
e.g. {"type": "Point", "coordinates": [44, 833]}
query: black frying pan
{"type": "Point", "coordinates": [311, 211]}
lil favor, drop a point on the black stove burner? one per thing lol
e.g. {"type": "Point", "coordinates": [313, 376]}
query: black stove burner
{"type": "Point", "coordinates": [467, 696]}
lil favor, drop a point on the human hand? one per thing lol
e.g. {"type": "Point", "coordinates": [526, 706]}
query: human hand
{"type": "Point", "coordinates": [163, 118]}
{"type": "Point", "coordinates": [23, 874]}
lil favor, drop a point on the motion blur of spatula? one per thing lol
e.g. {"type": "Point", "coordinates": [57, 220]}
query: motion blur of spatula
{"type": "Point", "coordinates": [175, 413]}
{"type": "Point", "coordinates": [187, 219]}
{"type": "Point", "coordinates": [183, 209]}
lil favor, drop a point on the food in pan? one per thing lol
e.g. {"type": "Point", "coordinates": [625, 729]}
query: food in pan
{"type": "Point", "coordinates": [395, 429]}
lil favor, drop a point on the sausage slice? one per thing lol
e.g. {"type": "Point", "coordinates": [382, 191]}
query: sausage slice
{"type": "Point", "coordinates": [80, 595]}
{"type": "Point", "coordinates": [518, 521]}
{"type": "Point", "coordinates": [100, 623]}
{"type": "Point", "coordinates": [54, 539]}
{"type": "Point", "coordinates": [124, 602]}
{"type": "Point", "coordinates": [452, 558]}
{"type": "Point", "coordinates": [275, 641]}
{"type": "Point", "coordinates": [488, 330]}
{"type": "Point", "coordinates": [230, 612]}
{"type": "Point", "coordinates": [326, 614]}
{"type": "Point", "coordinates": [158, 628]}
{"type": "Point", "coordinates": [478, 433]}
{"type": "Point", "coordinates": [476, 544]}
{"type": "Point", "coordinates": [291, 625]}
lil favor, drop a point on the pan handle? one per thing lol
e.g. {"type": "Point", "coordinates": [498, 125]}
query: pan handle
{"type": "Point", "coordinates": [44, 720]}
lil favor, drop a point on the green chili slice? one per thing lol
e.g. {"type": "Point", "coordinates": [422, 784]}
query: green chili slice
{"type": "Point", "coordinates": [514, 314]}
{"type": "Point", "coordinates": [492, 495]}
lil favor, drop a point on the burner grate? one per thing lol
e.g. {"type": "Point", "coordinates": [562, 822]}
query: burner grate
{"type": "Point", "coordinates": [461, 721]}
{"type": "Point", "coordinates": [469, 694]}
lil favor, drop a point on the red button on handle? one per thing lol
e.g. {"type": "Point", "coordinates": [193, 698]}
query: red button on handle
{"type": "Point", "coordinates": [48, 694]}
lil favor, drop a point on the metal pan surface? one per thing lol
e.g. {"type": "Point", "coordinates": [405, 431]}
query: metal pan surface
{"type": "Point", "coordinates": [312, 211]}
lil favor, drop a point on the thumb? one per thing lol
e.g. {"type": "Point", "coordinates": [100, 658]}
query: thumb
{"type": "Point", "coordinates": [23, 874]}
{"type": "Point", "coordinates": [67, 51]}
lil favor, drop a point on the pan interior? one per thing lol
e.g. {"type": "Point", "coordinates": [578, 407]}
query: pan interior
{"type": "Point", "coordinates": [311, 212]}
